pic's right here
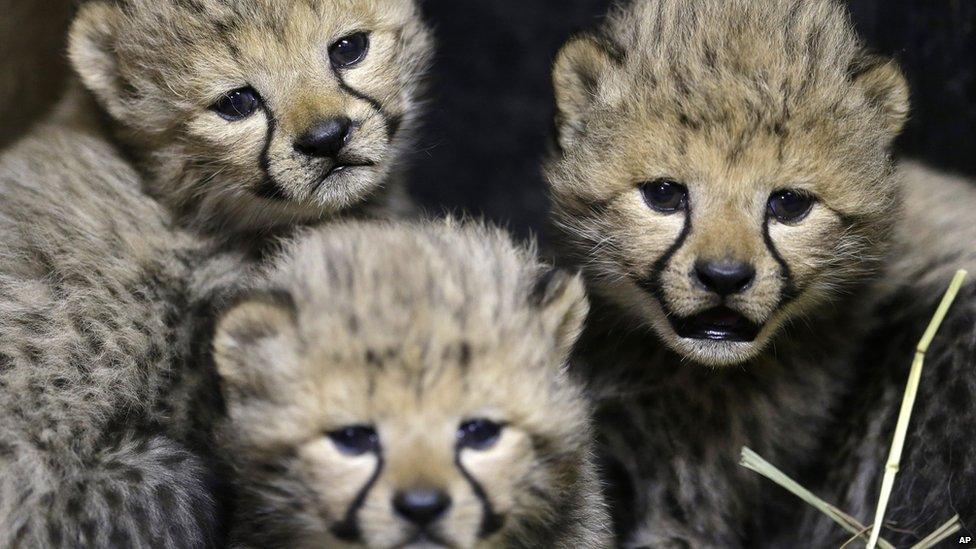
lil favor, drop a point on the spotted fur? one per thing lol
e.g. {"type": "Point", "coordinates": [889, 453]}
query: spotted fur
{"type": "Point", "coordinates": [92, 302]}
{"type": "Point", "coordinates": [735, 100]}
{"type": "Point", "coordinates": [157, 68]}
{"type": "Point", "coordinates": [410, 331]}
{"type": "Point", "coordinates": [101, 440]}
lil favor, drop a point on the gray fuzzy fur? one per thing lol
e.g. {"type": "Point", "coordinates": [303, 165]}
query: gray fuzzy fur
{"type": "Point", "coordinates": [94, 286]}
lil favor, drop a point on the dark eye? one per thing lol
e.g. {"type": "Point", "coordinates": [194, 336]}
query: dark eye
{"type": "Point", "coordinates": [237, 104]}
{"type": "Point", "coordinates": [665, 195]}
{"type": "Point", "coordinates": [478, 434]}
{"type": "Point", "coordinates": [356, 441]}
{"type": "Point", "coordinates": [790, 206]}
{"type": "Point", "coordinates": [349, 51]}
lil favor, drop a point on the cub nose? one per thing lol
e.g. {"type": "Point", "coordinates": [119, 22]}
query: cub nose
{"type": "Point", "coordinates": [325, 139]}
{"type": "Point", "coordinates": [421, 506]}
{"type": "Point", "coordinates": [726, 277]}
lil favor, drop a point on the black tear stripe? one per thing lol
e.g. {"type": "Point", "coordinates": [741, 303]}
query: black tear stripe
{"type": "Point", "coordinates": [790, 291]}
{"type": "Point", "coordinates": [392, 121]}
{"type": "Point", "coordinates": [652, 283]}
{"type": "Point", "coordinates": [269, 189]}
{"type": "Point", "coordinates": [348, 528]}
{"type": "Point", "coordinates": [491, 522]}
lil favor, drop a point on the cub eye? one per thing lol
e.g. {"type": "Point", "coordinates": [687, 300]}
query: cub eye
{"type": "Point", "coordinates": [478, 434]}
{"type": "Point", "coordinates": [349, 51]}
{"type": "Point", "coordinates": [356, 440]}
{"type": "Point", "coordinates": [665, 195]}
{"type": "Point", "coordinates": [790, 206]}
{"type": "Point", "coordinates": [238, 104]}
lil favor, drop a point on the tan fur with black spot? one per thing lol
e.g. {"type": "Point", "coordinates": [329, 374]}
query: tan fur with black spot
{"type": "Point", "coordinates": [411, 331]}
{"type": "Point", "coordinates": [157, 68]}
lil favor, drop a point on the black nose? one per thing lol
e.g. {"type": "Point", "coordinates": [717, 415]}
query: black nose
{"type": "Point", "coordinates": [421, 506]}
{"type": "Point", "coordinates": [725, 277]}
{"type": "Point", "coordinates": [325, 139]}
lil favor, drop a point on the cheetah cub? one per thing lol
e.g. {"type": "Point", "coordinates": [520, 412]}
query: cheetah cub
{"type": "Point", "coordinates": [398, 386]}
{"type": "Point", "coordinates": [724, 180]}
{"type": "Point", "coordinates": [251, 115]}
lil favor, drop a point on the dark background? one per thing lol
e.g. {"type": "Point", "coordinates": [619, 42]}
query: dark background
{"type": "Point", "coordinates": [490, 111]}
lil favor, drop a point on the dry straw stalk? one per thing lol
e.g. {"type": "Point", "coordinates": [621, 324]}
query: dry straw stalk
{"type": "Point", "coordinates": [908, 402]}
{"type": "Point", "coordinates": [753, 461]}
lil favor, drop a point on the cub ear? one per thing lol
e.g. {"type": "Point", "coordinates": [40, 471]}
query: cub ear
{"type": "Point", "coordinates": [91, 47]}
{"type": "Point", "coordinates": [885, 86]}
{"type": "Point", "coordinates": [254, 339]}
{"type": "Point", "coordinates": [561, 298]}
{"type": "Point", "coordinates": [582, 66]}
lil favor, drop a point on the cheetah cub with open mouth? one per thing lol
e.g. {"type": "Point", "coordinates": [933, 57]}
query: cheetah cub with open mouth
{"type": "Point", "coordinates": [252, 115]}
{"type": "Point", "coordinates": [396, 386]}
{"type": "Point", "coordinates": [725, 181]}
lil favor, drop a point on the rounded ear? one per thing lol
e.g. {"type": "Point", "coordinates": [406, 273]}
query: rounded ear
{"type": "Point", "coordinates": [91, 48]}
{"type": "Point", "coordinates": [884, 86]}
{"type": "Point", "coordinates": [561, 298]}
{"type": "Point", "coordinates": [254, 339]}
{"type": "Point", "coordinates": [581, 66]}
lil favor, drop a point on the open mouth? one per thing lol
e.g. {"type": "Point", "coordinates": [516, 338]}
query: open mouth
{"type": "Point", "coordinates": [718, 324]}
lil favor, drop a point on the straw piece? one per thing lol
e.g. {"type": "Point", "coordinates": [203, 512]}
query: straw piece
{"type": "Point", "coordinates": [855, 537]}
{"type": "Point", "coordinates": [751, 460]}
{"type": "Point", "coordinates": [908, 402]}
{"type": "Point", "coordinates": [940, 313]}
{"type": "Point", "coordinates": [937, 537]}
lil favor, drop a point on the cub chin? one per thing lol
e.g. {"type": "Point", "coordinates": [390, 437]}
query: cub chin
{"type": "Point", "coordinates": [405, 386]}
{"type": "Point", "coordinates": [252, 115]}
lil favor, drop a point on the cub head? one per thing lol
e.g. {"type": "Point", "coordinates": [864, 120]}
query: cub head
{"type": "Point", "coordinates": [250, 114]}
{"type": "Point", "coordinates": [408, 389]}
{"type": "Point", "coordinates": [723, 167]}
